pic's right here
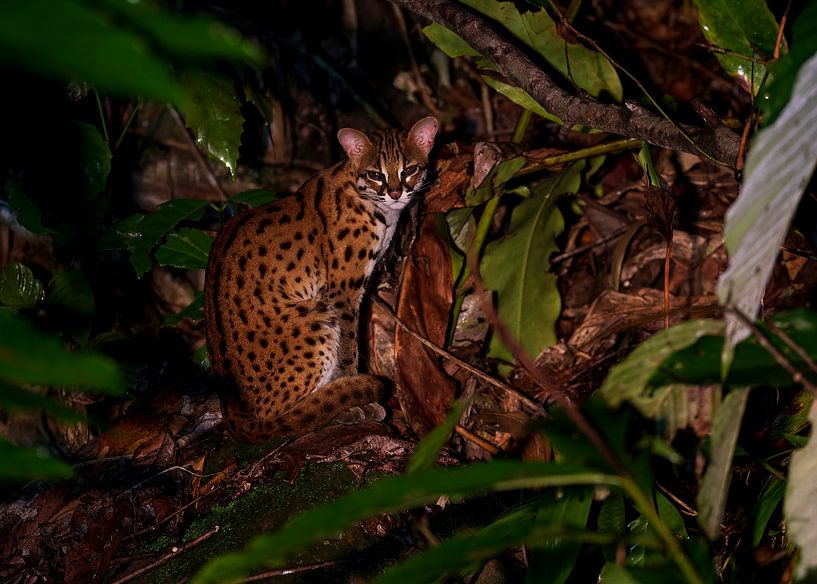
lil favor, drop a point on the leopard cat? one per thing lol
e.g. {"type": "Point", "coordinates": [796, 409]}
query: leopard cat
{"type": "Point", "coordinates": [285, 282]}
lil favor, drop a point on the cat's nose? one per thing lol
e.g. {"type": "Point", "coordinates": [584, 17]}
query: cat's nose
{"type": "Point", "coordinates": [395, 194]}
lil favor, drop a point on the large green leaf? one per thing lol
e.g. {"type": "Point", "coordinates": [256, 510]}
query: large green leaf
{"type": "Point", "coordinates": [517, 267]}
{"type": "Point", "coordinates": [780, 163]}
{"type": "Point", "coordinates": [699, 363]}
{"type": "Point", "coordinates": [715, 482]}
{"type": "Point", "coordinates": [24, 464]}
{"type": "Point", "coordinates": [214, 115]}
{"type": "Point", "coordinates": [803, 46]}
{"type": "Point", "coordinates": [29, 356]}
{"type": "Point", "coordinates": [188, 248]}
{"type": "Point", "coordinates": [551, 524]}
{"type": "Point", "coordinates": [19, 287]}
{"type": "Point", "coordinates": [71, 40]}
{"type": "Point", "coordinates": [254, 197]}
{"type": "Point", "coordinates": [71, 291]}
{"type": "Point", "coordinates": [553, 560]}
{"type": "Point", "coordinates": [746, 29]}
{"type": "Point", "coordinates": [28, 211]}
{"type": "Point", "coordinates": [389, 495]}
{"type": "Point", "coordinates": [141, 233]}
{"type": "Point", "coordinates": [535, 28]}
{"type": "Point", "coordinates": [186, 36]}
{"type": "Point", "coordinates": [630, 380]}
{"type": "Point", "coordinates": [17, 399]}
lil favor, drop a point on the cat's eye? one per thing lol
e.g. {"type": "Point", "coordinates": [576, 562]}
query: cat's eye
{"type": "Point", "coordinates": [374, 175]}
{"type": "Point", "coordinates": [410, 170]}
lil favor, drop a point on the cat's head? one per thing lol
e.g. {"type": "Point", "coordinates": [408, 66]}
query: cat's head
{"type": "Point", "coordinates": [390, 165]}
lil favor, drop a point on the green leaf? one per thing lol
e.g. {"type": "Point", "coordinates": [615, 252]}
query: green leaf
{"type": "Point", "coordinates": [715, 482]}
{"type": "Point", "coordinates": [142, 232]}
{"type": "Point", "coordinates": [780, 163]}
{"type": "Point", "coordinates": [25, 464]}
{"type": "Point", "coordinates": [766, 505]}
{"type": "Point", "coordinates": [70, 291]}
{"type": "Point", "coordinates": [630, 380]}
{"type": "Point", "coordinates": [187, 36]}
{"type": "Point", "coordinates": [497, 177]}
{"type": "Point", "coordinates": [517, 267]}
{"type": "Point", "coordinates": [799, 509]}
{"type": "Point", "coordinates": [28, 211]}
{"type": "Point", "coordinates": [71, 40]}
{"type": "Point", "coordinates": [552, 560]}
{"type": "Point", "coordinates": [255, 197]}
{"type": "Point", "coordinates": [784, 71]}
{"type": "Point", "coordinates": [29, 356]}
{"type": "Point", "coordinates": [16, 399]}
{"type": "Point", "coordinates": [427, 450]}
{"type": "Point", "coordinates": [520, 97]}
{"type": "Point", "coordinates": [612, 520]}
{"type": "Point", "coordinates": [186, 249]}
{"type": "Point", "coordinates": [670, 516]}
{"type": "Point", "coordinates": [746, 29]}
{"type": "Point", "coordinates": [389, 495]}
{"type": "Point", "coordinates": [193, 311]}
{"type": "Point", "coordinates": [588, 69]}
{"type": "Point", "coordinates": [19, 287]}
{"type": "Point", "coordinates": [448, 42]}
{"type": "Point", "coordinates": [214, 115]}
{"type": "Point", "coordinates": [93, 157]}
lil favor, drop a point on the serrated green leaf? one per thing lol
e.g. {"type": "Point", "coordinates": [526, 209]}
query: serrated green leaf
{"type": "Point", "coordinates": [746, 29]}
{"type": "Point", "coordinates": [29, 356]}
{"type": "Point", "coordinates": [90, 48]}
{"type": "Point", "coordinates": [214, 115]}
{"type": "Point", "coordinates": [19, 287]}
{"type": "Point", "coordinates": [784, 71]}
{"type": "Point", "coordinates": [193, 311]}
{"type": "Point", "coordinates": [389, 495]}
{"type": "Point", "coordinates": [141, 233]}
{"type": "Point", "coordinates": [188, 248]}
{"type": "Point", "coordinates": [799, 509]}
{"type": "Point", "coordinates": [715, 482]}
{"type": "Point", "coordinates": [25, 464]}
{"type": "Point", "coordinates": [517, 267]}
{"type": "Point", "coordinates": [255, 197]}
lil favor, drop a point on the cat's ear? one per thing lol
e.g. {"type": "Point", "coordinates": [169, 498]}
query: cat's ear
{"type": "Point", "coordinates": [422, 134]}
{"type": "Point", "coordinates": [355, 143]}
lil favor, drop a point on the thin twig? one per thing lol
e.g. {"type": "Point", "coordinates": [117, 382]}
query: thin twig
{"type": "Point", "coordinates": [290, 571]}
{"type": "Point", "coordinates": [481, 442]}
{"type": "Point", "coordinates": [415, 68]}
{"type": "Point", "coordinates": [465, 365]}
{"type": "Point", "coordinates": [789, 342]}
{"type": "Point", "coordinates": [174, 552]}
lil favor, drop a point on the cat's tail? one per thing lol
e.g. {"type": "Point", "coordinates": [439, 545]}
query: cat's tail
{"type": "Point", "coordinates": [310, 412]}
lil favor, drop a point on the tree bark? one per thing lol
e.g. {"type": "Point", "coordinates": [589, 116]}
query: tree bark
{"type": "Point", "coordinates": [721, 143]}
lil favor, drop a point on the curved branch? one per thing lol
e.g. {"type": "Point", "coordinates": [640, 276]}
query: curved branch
{"type": "Point", "coordinates": [720, 143]}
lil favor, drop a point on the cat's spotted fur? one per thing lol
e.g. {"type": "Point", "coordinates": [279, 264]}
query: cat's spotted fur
{"type": "Point", "coordinates": [285, 282]}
